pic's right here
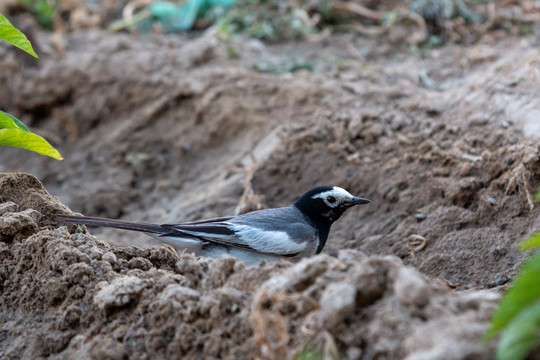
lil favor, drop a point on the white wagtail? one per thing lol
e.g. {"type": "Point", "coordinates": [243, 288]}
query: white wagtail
{"type": "Point", "coordinates": [292, 232]}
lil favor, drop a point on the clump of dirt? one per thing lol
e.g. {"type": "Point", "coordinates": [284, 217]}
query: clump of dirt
{"type": "Point", "coordinates": [359, 306]}
{"type": "Point", "coordinates": [66, 295]}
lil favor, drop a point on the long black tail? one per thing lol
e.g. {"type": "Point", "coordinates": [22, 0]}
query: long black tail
{"type": "Point", "coordinates": [111, 223]}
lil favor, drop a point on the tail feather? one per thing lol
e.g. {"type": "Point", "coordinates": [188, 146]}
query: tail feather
{"type": "Point", "coordinates": [111, 223]}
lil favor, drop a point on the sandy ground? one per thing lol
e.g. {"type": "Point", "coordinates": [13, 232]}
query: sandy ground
{"type": "Point", "coordinates": [167, 129]}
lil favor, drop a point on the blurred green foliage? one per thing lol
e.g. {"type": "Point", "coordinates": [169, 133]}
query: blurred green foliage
{"type": "Point", "coordinates": [518, 315]}
{"type": "Point", "coordinates": [309, 354]}
{"type": "Point", "coordinates": [278, 20]}
{"type": "Point", "coordinates": [436, 11]}
{"type": "Point", "coordinates": [43, 10]}
{"type": "Point", "coordinates": [272, 20]}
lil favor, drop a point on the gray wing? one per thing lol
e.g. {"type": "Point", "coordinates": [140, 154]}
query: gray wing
{"type": "Point", "coordinates": [282, 231]}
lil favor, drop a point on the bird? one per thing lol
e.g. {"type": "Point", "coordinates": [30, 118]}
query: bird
{"type": "Point", "coordinates": [290, 232]}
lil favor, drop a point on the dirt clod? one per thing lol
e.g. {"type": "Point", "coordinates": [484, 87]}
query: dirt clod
{"type": "Point", "coordinates": [411, 288]}
{"type": "Point", "coordinates": [119, 292]}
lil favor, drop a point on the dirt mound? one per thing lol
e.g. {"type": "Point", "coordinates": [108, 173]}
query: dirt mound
{"type": "Point", "coordinates": [66, 295]}
{"type": "Point", "coordinates": [443, 194]}
{"type": "Point", "coordinates": [174, 129]}
{"type": "Point", "coordinates": [167, 129]}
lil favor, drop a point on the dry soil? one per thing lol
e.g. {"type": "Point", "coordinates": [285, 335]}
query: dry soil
{"type": "Point", "coordinates": [172, 128]}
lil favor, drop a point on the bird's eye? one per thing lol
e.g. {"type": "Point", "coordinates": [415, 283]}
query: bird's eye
{"type": "Point", "coordinates": [331, 199]}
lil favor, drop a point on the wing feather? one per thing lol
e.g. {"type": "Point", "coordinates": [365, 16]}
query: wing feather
{"type": "Point", "coordinates": [225, 231]}
{"type": "Point", "coordinates": [240, 236]}
{"type": "Point", "coordinates": [211, 232]}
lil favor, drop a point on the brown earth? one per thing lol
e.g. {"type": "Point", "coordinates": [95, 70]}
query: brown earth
{"type": "Point", "coordinates": [66, 295]}
{"type": "Point", "coordinates": [167, 128]}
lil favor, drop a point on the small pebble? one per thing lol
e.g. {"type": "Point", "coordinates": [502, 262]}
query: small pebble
{"type": "Point", "coordinates": [492, 201]}
{"type": "Point", "coordinates": [354, 353]}
{"type": "Point", "coordinates": [186, 147]}
{"type": "Point", "coordinates": [498, 280]}
{"type": "Point", "coordinates": [420, 217]}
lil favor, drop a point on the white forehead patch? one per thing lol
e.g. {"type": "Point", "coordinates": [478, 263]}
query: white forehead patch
{"type": "Point", "coordinates": [340, 194]}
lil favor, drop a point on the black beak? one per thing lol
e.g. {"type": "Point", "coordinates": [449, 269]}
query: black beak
{"type": "Point", "coordinates": [359, 201]}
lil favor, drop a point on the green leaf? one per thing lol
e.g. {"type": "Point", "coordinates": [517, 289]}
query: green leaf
{"type": "Point", "coordinates": [309, 354]}
{"type": "Point", "coordinates": [43, 10]}
{"type": "Point", "coordinates": [29, 141]}
{"type": "Point", "coordinates": [8, 121]}
{"type": "Point", "coordinates": [531, 242]}
{"type": "Point", "coordinates": [13, 36]}
{"type": "Point", "coordinates": [521, 335]}
{"type": "Point", "coordinates": [523, 292]}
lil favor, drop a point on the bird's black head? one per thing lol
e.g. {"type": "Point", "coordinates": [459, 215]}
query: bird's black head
{"type": "Point", "coordinates": [326, 204]}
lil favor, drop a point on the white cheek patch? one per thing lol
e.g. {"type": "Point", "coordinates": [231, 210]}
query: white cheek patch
{"type": "Point", "coordinates": [340, 194]}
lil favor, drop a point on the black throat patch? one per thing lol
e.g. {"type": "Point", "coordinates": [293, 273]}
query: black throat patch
{"type": "Point", "coordinates": [323, 236]}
